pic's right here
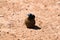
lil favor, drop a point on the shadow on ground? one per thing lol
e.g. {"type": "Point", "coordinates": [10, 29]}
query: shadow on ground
{"type": "Point", "coordinates": [35, 27]}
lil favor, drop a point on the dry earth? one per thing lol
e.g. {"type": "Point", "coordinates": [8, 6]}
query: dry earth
{"type": "Point", "coordinates": [14, 12]}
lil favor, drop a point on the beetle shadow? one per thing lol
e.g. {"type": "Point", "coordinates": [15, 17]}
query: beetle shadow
{"type": "Point", "coordinates": [35, 27]}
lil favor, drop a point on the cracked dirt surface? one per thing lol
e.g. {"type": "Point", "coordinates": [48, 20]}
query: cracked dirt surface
{"type": "Point", "coordinates": [14, 12]}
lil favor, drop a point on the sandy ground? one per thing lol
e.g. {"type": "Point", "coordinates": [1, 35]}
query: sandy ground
{"type": "Point", "coordinates": [14, 12]}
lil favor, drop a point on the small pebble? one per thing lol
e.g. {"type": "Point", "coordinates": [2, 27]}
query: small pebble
{"type": "Point", "coordinates": [7, 32]}
{"type": "Point", "coordinates": [58, 14]}
{"type": "Point", "coordinates": [18, 39]}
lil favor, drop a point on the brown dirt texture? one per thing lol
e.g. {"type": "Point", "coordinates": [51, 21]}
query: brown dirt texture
{"type": "Point", "coordinates": [14, 12]}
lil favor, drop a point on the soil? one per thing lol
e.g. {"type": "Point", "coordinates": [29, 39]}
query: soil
{"type": "Point", "coordinates": [14, 12]}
